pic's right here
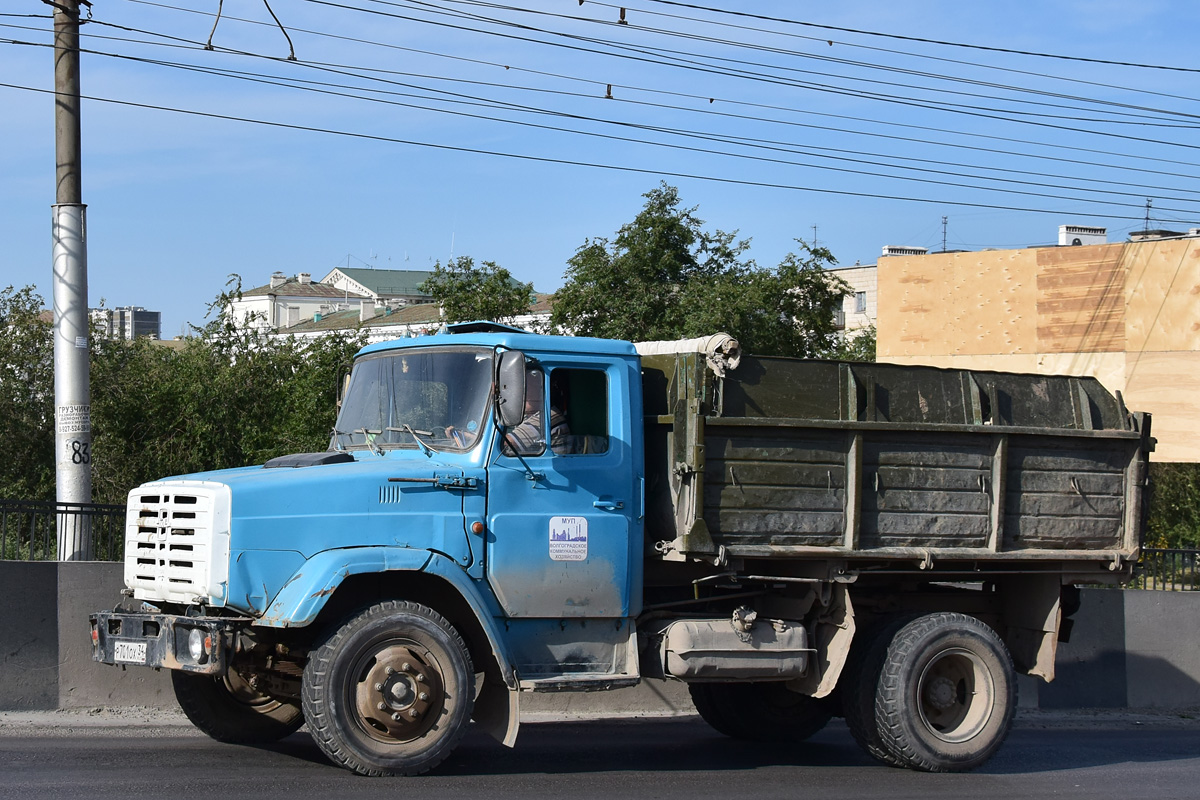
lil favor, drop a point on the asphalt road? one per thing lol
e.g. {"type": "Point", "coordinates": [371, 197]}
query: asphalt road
{"type": "Point", "coordinates": [647, 758]}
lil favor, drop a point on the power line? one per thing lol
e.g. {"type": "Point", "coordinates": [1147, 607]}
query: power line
{"type": "Point", "coordinates": [563, 162]}
{"type": "Point", "coordinates": [684, 63]}
{"type": "Point", "coordinates": [890, 51]}
{"type": "Point", "coordinates": [729, 101]}
{"type": "Point", "coordinates": [705, 136]}
{"type": "Point", "coordinates": [829, 59]}
{"type": "Point", "coordinates": [922, 40]}
{"type": "Point", "coordinates": [790, 147]}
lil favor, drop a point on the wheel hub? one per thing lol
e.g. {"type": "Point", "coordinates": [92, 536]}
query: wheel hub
{"type": "Point", "coordinates": [955, 694]}
{"type": "Point", "coordinates": [400, 693]}
{"type": "Point", "coordinates": [941, 693]}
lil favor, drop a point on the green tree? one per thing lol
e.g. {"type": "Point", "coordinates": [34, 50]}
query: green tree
{"type": "Point", "coordinates": [629, 289]}
{"type": "Point", "coordinates": [26, 397]}
{"type": "Point", "coordinates": [226, 397]}
{"type": "Point", "coordinates": [856, 346]}
{"type": "Point", "coordinates": [1174, 506]}
{"type": "Point", "coordinates": [785, 311]}
{"type": "Point", "coordinates": [486, 292]}
{"type": "Point", "coordinates": [664, 276]}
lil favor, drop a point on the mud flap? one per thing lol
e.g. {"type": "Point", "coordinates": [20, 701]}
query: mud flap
{"type": "Point", "coordinates": [832, 637]}
{"type": "Point", "coordinates": [1032, 616]}
{"type": "Point", "coordinates": [498, 712]}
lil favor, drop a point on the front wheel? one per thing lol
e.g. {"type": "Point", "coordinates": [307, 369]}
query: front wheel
{"type": "Point", "coordinates": [760, 712]}
{"type": "Point", "coordinates": [391, 692]}
{"type": "Point", "coordinates": [946, 694]}
{"type": "Point", "coordinates": [229, 710]}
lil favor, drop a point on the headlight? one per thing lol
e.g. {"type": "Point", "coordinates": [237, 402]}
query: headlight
{"type": "Point", "coordinates": [196, 644]}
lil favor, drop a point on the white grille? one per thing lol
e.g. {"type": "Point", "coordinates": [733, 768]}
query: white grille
{"type": "Point", "coordinates": [177, 542]}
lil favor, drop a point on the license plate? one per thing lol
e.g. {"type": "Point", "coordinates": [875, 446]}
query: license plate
{"type": "Point", "coordinates": [130, 652]}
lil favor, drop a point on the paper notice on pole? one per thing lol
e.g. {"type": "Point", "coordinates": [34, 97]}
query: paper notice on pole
{"type": "Point", "coordinates": [73, 419]}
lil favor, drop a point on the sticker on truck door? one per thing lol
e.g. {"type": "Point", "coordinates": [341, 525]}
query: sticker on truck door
{"type": "Point", "coordinates": [568, 538]}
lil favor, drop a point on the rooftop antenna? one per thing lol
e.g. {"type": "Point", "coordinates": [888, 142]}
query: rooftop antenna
{"type": "Point", "coordinates": [944, 233]}
{"type": "Point", "coordinates": [814, 235]}
{"type": "Point", "coordinates": [1149, 202]}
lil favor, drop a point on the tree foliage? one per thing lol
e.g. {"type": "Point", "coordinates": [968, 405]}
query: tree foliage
{"type": "Point", "coordinates": [26, 397]}
{"type": "Point", "coordinates": [223, 397]}
{"type": "Point", "coordinates": [486, 292]}
{"type": "Point", "coordinates": [1174, 506]}
{"type": "Point", "coordinates": [856, 346]}
{"type": "Point", "coordinates": [664, 276]}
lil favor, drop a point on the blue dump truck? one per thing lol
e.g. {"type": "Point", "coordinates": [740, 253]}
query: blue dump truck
{"type": "Point", "coordinates": [500, 512]}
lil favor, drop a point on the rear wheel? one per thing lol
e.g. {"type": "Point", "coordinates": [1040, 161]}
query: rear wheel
{"type": "Point", "coordinates": [761, 712]}
{"type": "Point", "coordinates": [391, 692]}
{"type": "Point", "coordinates": [946, 694]}
{"type": "Point", "coordinates": [860, 682]}
{"type": "Point", "coordinates": [228, 709]}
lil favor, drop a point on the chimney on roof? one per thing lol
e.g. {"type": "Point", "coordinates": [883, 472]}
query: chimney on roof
{"type": "Point", "coordinates": [278, 279]}
{"type": "Point", "coordinates": [304, 278]}
{"type": "Point", "coordinates": [901, 250]}
{"type": "Point", "coordinates": [1077, 235]}
{"type": "Point", "coordinates": [366, 310]}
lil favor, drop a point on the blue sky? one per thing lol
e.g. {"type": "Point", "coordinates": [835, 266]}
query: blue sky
{"type": "Point", "coordinates": [177, 202]}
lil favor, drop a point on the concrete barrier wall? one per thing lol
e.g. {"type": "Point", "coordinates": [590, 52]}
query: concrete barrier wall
{"type": "Point", "coordinates": [45, 640]}
{"type": "Point", "coordinates": [1128, 649]}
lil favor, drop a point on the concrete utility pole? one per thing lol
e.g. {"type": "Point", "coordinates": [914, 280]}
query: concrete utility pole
{"type": "Point", "coordinates": [72, 395]}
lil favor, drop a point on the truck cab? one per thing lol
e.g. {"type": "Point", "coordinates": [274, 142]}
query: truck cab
{"type": "Point", "coordinates": [492, 479]}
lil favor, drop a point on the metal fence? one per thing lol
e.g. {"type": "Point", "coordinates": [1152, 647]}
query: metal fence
{"type": "Point", "coordinates": [1168, 570]}
{"type": "Point", "coordinates": [29, 529]}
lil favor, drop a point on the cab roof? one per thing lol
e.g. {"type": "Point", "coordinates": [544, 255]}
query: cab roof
{"type": "Point", "coordinates": [490, 334]}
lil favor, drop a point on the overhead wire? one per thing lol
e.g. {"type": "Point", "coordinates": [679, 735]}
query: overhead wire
{"type": "Point", "coordinates": [770, 107]}
{"type": "Point", "coordinates": [758, 143]}
{"type": "Point", "coordinates": [724, 139]}
{"type": "Point", "coordinates": [275, 80]}
{"type": "Point", "coordinates": [561, 161]}
{"type": "Point", "coordinates": [690, 64]}
{"type": "Point", "coordinates": [893, 51]}
{"type": "Point", "coordinates": [924, 40]}
{"type": "Point", "coordinates": [829, 59]}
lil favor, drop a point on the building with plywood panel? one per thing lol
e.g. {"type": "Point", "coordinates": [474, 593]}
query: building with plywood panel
{"type": "Point", "coordinates": [1126, 313]}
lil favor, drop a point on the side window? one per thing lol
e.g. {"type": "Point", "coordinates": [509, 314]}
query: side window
{"type": "Point", "coordinates": [578, 412]}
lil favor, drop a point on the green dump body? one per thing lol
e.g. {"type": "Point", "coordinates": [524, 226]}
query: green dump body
{"type": "Point", "coordinates": [797, 458]}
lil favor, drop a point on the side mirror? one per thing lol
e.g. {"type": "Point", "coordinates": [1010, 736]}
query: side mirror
{"type": "Point", "coordinates": [510, 397]}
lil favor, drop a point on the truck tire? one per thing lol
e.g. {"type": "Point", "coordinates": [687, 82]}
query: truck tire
{"type": "Point", "coordinates": [946, 694]}
{"type": "Point", "coordinates": [760, 712]}
{"type": "Point", "coordinates": [860, 683]}
{"type": "Point", "coordinates": [229, 710]}
{"type": "Point", "coordinates": [391, 691]}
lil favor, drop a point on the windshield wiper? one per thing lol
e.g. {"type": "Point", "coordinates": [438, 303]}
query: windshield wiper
{"type": "Point", "coordinates": [367, 434]}
{"type": "Point", "coordinates": [406, 428]}
{"type": "Point", "coordinates": [337, 441]}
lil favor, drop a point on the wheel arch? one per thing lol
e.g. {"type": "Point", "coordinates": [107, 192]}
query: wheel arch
{"type": "Point", "coordinates": [334, 583]}
{"type": "Point", "coordinates": [364, 589]}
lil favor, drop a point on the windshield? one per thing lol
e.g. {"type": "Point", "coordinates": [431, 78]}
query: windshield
{"type": "Point", "coordinates": [431, 399]}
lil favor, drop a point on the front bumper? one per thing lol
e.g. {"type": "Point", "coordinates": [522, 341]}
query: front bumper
{"type": "Point", "coordinates": [164, 640]}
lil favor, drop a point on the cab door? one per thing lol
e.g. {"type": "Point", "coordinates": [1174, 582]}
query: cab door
{"type": "Point", "coordinates": [564, 524]}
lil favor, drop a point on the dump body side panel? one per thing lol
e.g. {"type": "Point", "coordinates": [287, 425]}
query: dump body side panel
{"type": "Point", "coordinates": [787, 457]}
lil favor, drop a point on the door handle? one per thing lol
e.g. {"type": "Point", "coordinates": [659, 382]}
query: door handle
{"type": "Point", "coordinates": [609, 505]}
